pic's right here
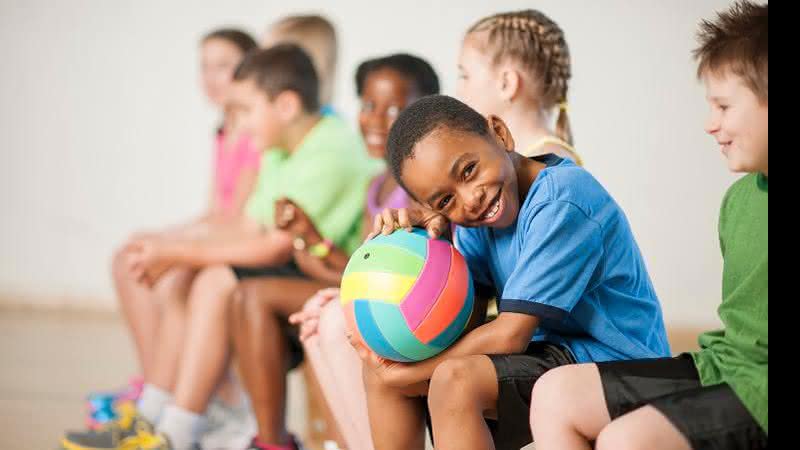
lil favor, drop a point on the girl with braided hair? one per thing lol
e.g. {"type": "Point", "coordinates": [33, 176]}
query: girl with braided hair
{"type": "Point", "coordinates": [516, 65]}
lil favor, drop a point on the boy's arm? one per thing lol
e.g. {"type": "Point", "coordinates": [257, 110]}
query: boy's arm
{"type": "Point", "coordinates": [507, 334]}
{"type": "Point", "coordinates": [245, 245]}
{"type": "Point", "coordinates": [264, 248]}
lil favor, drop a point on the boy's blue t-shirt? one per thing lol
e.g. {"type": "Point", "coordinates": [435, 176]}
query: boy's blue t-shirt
{"type": "Point", "coordinates": [571, 259]}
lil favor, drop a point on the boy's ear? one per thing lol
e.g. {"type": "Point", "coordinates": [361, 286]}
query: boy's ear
{"type": "Point", "coordinates": [509, 83]}
{"type": "Point", "coordinates": [501, 132]}
{"type": "Point", "coordinates": [288, 105]}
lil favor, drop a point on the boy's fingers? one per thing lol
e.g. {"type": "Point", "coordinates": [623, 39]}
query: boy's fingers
{"type": "Point", "coordinates": [377, 225]}
{"type": "Point", "coordinates": [404, 219]}
{"type": "Point", "coordinates": [388, 222]}
{"type": "Point", "coordinates": [296, 318]}
{"type": "Point", "coordinates": [437, 226]}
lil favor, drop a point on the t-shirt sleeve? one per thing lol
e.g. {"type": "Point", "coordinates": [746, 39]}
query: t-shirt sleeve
{"type": "Point", "coordinates": [330, 189]}
{"type": "Point", "coordinates": [470, 242]}
{"type": "Point", "coordinates": [561, 250]}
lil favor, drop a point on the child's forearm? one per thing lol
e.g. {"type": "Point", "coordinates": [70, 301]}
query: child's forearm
{"type": "Point", "coordinates": [509, 333]}
{"type": "Point", "coordinates": [258, 250]}
{"type": "Point", "coordinates": [317, 269]}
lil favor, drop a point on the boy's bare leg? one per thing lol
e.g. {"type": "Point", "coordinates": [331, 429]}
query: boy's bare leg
{"type": "Point", "coordinates": [206, 349]}
{"type": "Point", "coordinates": [170, 294]}
{"type": "Point", "coordinates": [463, 392]}
{"type": "Point", "coordinates": [643, 428]}
{"type": "Point", "coordinates": [396, 418]}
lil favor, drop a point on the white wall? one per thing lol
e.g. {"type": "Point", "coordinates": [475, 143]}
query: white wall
{"type": "Point", "coordinates": [103, 130]}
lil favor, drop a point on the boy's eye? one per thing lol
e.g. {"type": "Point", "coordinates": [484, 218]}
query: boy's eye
{"type": "Point", "coordinates": [469, 169]}
{"type": "Point", "coordinates": [367, 107]}
{"type": "Point", "coordinates": [445, 201]}
{"type": "Point", "coordinates": [393, 111]}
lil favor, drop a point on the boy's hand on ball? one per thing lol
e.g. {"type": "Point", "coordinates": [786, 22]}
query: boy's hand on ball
{"type": "Point", "coordinates": [390, 220]}
{"type": "Point", "coordinates": [392, 373]}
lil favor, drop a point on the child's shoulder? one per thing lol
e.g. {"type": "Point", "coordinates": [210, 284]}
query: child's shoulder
{"type": "Point", "coordinates": [565, 181]}
{"type": "Point", "coordinates": [746, 193]}
{"type": "Point", "coordinates": [333, 131]}
{"type": "Point", "coordinates": [744, 184]}
{"type": "Point", "coordinates": [336, 142]}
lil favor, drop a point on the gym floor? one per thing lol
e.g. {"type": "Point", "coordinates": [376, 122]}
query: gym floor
{"type": "Point", "coordinates": [50, 360]}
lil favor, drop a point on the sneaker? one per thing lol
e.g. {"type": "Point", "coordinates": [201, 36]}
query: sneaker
{"type": "Point", "coordinates": [294, 444]}
{"type": "Point", "coordinates": [111, 434]}
{"type": "Point", "coordinates": [145, 440]}
{"type": "Point", "coordinates": [101, 406]}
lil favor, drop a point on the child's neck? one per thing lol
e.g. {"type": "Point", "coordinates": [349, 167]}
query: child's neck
{"type": "Point", "coordinates": [297, 131]}
{"type": "Point", "coordinates": [527, 171]}
{"type": "Point", "coordinates": [528, 125]}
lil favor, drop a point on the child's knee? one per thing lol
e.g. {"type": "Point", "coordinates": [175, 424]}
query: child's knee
{"type": "Point", "coordinates": [332, 327]}
{"type": "Point", "coordinates": [212, 288]}
{"type": "Point", "coordinates": [453, 384]}
{"type": "Point", "coordinates": [247, 305]}
{"type": "Point", "coordinates": [550, 390]}
{"type": "Point", "coordinates": [119, 266]}
{"type": "Point", "coordinates": [615, 437]}
{"type": "Point", "coordinates": [176, 283]}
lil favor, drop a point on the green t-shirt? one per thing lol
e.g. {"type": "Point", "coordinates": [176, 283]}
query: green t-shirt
{"type": "Point", "coordinates": [738, 354]}
{"type": "Point", "coordinates": [327, 176]}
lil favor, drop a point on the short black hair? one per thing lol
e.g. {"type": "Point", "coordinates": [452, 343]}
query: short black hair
{"type": "Point", "coordinates": [242, 40]}
{"type": "Point", "coordinates": [415, 69]}
{"type": "Point", "coordinates": [282, 67]}
{"type": "Point", "coordinates": [422, 118]}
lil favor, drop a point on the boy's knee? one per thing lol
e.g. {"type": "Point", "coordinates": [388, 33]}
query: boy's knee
{"type": "Point", "coordinates": [246, 305]}
{"type": "Point", "coordinates": [212, 288]}
{"type": "Point", "coordinates": [452, 384]}
{"type": "Point", "coordinates": [550, 390]}
{"type": "Point", "coordinates": [614, 437]}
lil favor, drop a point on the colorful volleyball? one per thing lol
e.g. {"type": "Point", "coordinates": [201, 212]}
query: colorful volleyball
{"type": "Point", "coordinates": [405, 296]}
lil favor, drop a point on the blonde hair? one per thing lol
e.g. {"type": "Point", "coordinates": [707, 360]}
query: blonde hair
{"type": "Point", "coordinates": [317, 36]}
{"type": "Point", "coordinates": [532, 40]}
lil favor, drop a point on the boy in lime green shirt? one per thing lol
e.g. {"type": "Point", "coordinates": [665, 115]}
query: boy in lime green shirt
{"type": "Point", "coordinates": [716, 398]}
{"type": "Point", "coordinates": [326, 176]}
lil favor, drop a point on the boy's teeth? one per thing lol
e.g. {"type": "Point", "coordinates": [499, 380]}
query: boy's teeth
{"type": "Point", "coordinates": [493, 211]}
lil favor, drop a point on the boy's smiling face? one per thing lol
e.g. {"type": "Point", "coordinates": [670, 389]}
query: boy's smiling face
{"type": "Point", "coordinates": [468, 178]}
{"type": "Point", "coordinates": [738, 121]}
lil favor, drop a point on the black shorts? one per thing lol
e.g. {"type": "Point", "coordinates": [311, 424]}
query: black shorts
{"type": "Point", "coordinates": [710, 417]}
{"type": "Point", "coordinates": [287, 270]}
{"type": "Point", "coordinates": [290, 270]}
{"type": "Point", "coordinates": [516, 375]}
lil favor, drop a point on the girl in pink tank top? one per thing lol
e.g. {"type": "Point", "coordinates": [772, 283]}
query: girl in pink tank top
{"type": "Point", "coordinates": [236, 164]}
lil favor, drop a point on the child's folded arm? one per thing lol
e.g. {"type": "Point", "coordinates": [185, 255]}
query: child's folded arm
{"type": "Point", "coordinates": [256, 249]}
{"type": "Point", "coordinates": [509, 333]}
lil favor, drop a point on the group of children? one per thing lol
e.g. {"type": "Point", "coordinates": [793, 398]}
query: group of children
{"type": "Point", "coordinates": [566, 345]}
